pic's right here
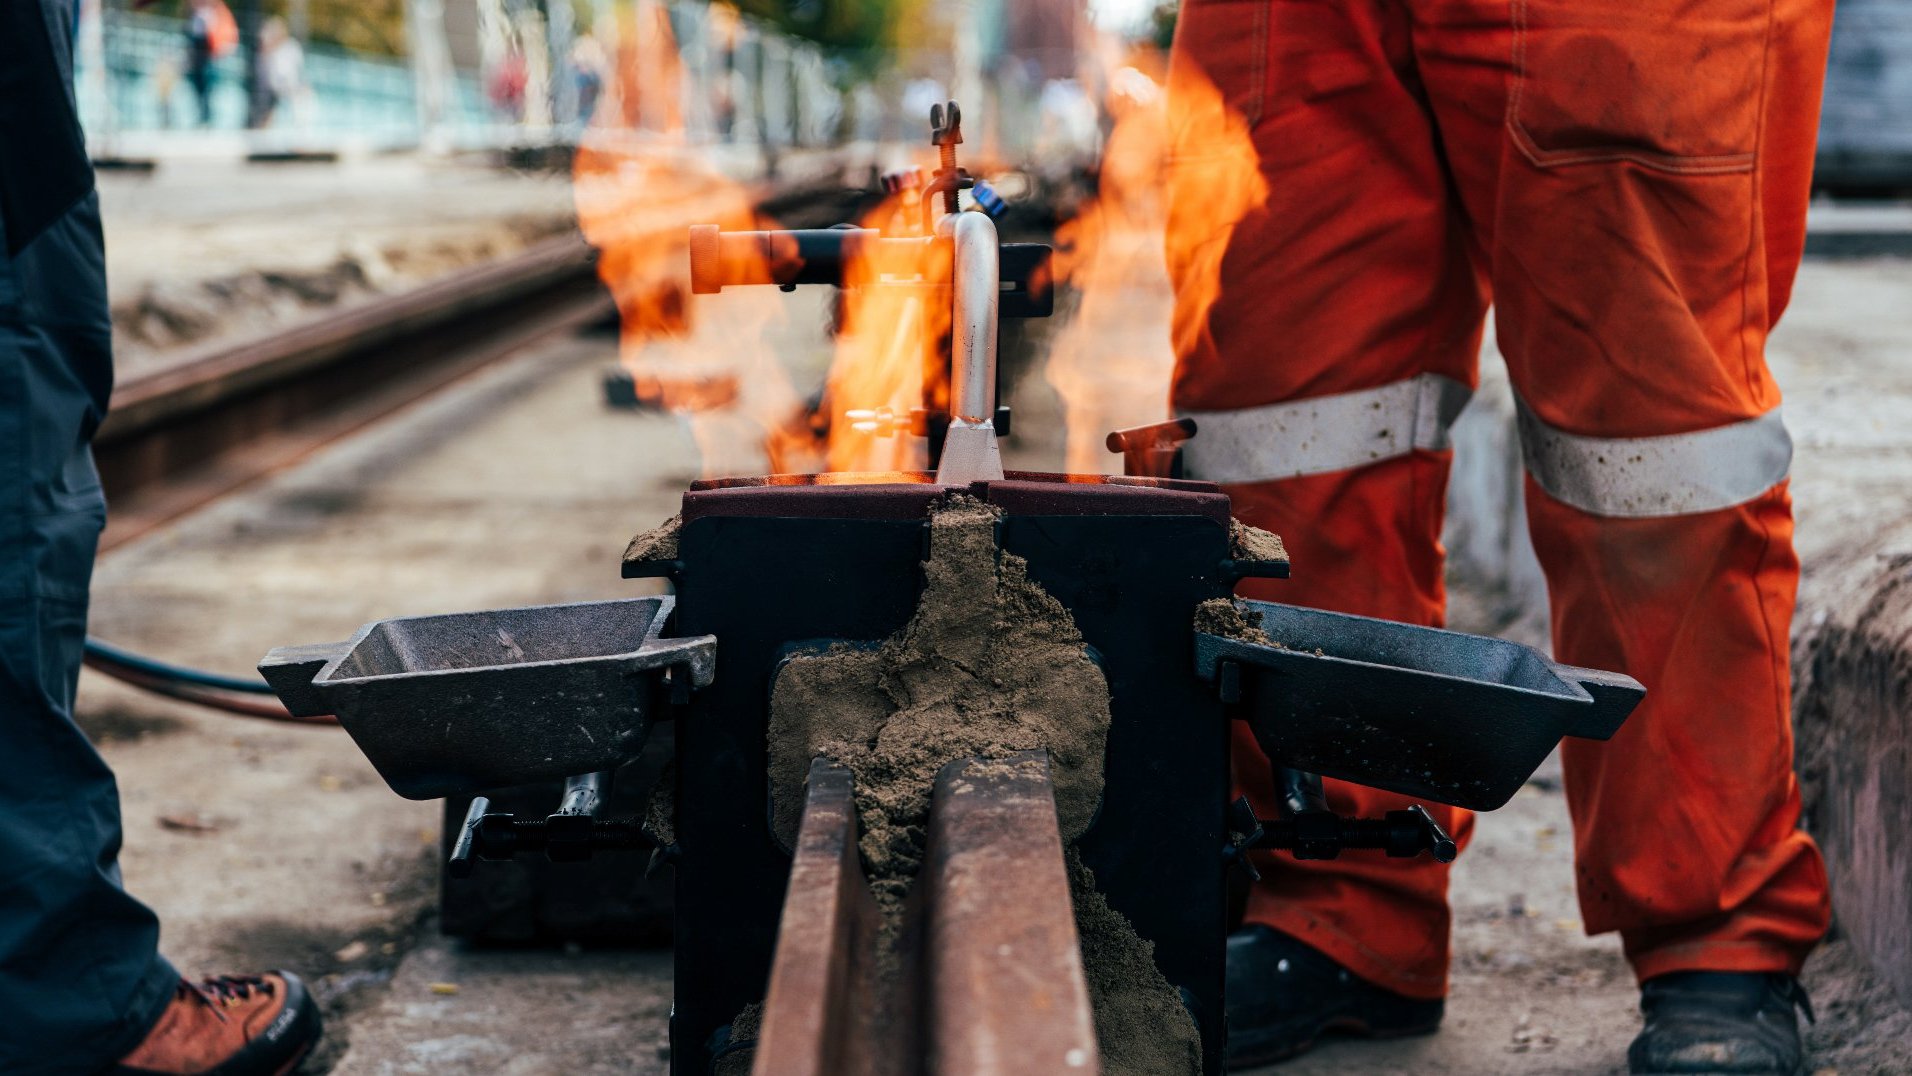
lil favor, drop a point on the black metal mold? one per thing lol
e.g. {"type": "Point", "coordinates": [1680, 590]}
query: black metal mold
{"type": "Point", "coordinates": [1454, 718]}
{"type": "Point", "coordinates": [455, 704]}
{"type": "Point", "coordinates": [761, 582]}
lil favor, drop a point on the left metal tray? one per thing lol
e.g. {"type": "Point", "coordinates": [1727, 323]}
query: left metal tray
{"type": "Point", "coordinates": [454, 704]}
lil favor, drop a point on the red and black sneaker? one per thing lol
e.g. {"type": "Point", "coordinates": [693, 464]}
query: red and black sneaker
{"type": "Point", "coordinates": [232, 1025]}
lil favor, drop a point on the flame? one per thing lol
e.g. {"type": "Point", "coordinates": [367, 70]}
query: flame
{"type": "Point", "coordinates": [638, 185]}
{"type": "Point", "coordinates": [890, 321]}
{"type": "Point", "coordinates": [1178, 171]}
{"type": "Point", "coordinates": [726, 360]}
{"type": "Point", "coordinates": [730, 362]}
{"type": "Point", "coordinates": [1214, 182]}
{"type": "Point", "coordinates": [895, 312]}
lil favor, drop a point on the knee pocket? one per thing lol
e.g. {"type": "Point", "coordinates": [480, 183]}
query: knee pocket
{"type": "Point", "coordinates": [1622, 80]}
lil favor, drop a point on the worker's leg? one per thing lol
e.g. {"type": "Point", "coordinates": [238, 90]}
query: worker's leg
{"type": "Point", "coordinates": [81, 979]}
{"type": "Point", "coordinates": [1641, 181]}
{"type": "Point", "coordinates": [1323, 341]}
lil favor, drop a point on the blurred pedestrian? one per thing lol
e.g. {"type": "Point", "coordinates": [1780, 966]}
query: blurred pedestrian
{"type": "Point", "coordinates": [281, 71]}
{"type": "Point", "coordinates": [81, 980]}
{"type": "Point", "coordinates": [589, 65]}
{"type": "Point", "coordinates": [506, 87]}
{"type": "Point", "coordinates": [211, 32]}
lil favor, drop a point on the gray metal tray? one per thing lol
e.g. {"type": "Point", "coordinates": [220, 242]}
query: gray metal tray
{"type": "Point", "coordinates": [454, 704]}
{"type": "Point", "coordinates": [1451, 717]}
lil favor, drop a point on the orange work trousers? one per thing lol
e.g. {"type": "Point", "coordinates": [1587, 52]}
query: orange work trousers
{"type": "Point", "coordinates": [1626, 182]}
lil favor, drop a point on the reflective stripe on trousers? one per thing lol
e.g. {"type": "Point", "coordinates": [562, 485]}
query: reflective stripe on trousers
{"type": "Point", "coordinates": [1614, 477]}
{"type": "Point", "coordinates": [1323, 433]}
{"type": "Point", "coordinates": [1646, 477]}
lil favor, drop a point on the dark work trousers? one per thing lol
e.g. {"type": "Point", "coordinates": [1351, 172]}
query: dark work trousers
{"type": "Point", "coordinates": [81, 978]}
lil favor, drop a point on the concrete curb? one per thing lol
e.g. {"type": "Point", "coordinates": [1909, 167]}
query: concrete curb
{"type": "Point", "coordinates": [1852, 708]}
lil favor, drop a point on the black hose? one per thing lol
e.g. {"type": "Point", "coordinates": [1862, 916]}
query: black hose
{"type": "Point", "coordinates": [230, 694]}
{"type": "Point", "coordinates": [113, 655]}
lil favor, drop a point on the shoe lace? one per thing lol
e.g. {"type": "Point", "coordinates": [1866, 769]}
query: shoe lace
{"type": "Point", "coordinates": [219, 991]}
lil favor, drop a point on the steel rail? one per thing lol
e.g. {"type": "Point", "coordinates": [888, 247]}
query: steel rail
{"type": "Point", "coordinates": [180, 437]}
{"type": "Point", "coordinates": [985, 973]}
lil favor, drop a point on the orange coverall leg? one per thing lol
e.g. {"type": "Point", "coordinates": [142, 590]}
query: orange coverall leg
{"type": "Point", "coordinates": [1626, 179]}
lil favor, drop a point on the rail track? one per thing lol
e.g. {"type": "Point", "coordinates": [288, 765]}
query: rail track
{"type": "Point", "coordinates": [982, 975]}
{"type": "Point", "coordinates": [180, 437]}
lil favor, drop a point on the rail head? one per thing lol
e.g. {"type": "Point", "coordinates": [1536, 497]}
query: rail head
{"type": "Point", "coordinates": [986, 977]}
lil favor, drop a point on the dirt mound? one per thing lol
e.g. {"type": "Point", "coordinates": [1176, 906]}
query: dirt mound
{"type": "Point", "coordinates": [989, 665]}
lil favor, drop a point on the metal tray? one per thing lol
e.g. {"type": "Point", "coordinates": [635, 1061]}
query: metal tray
{"type": "Point", "coordinates": [451, 705]}
{"type": "Point", "coordinates": [1442, 715]}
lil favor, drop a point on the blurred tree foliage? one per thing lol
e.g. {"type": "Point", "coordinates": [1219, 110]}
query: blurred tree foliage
{"type": "Point", "coordinates": [856, 28]}
{"type": "Point", "coordinates": [372, 26]}
{"type": "Point", "coordinates": [375, 26]}
{"type": "Point", "coordinates": [860, 30]}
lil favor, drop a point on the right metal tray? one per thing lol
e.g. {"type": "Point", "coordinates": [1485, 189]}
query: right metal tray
{"type": "Point", "coordinates": [1442, 715]}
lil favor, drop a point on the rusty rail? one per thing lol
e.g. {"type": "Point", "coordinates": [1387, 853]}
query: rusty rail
{"type": "Point", "coordinates": [180, 437]}
{"type": "Point", "coordinates": [187, 434]}
{"type": "Point", "coordinates": [816, 1017]}
{"type": "Point", "coordinates": [983, 975]}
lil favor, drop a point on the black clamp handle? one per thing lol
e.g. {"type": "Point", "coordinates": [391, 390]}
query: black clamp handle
{"type": "Point", "coordinates": [1322, 834]}
{"type": "Point", "coordinates": [570, 835]}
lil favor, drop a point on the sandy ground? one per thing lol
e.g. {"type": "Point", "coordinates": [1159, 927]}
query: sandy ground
{"type": "Point", "coordinates": [263, 845]}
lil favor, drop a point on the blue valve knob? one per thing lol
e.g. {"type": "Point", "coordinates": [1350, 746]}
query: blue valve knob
{"type": "Point", "coordinates": [987, 199]}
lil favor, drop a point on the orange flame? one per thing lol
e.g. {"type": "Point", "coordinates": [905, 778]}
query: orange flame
{"type": "Point", "coordinates": [1214, 181]}
{"type": "Point", "coordinates": [895, 314]}
{"type": "Point", "coordinates": [1177, 172]}
{"type": "Point", "coordinates": [638, 187]}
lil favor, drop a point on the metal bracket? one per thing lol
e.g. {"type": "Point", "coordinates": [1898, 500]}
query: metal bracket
{"type": "Point", "coordinates": [568, 836]}
{"type": "Point", "coordinates": [1322, 834]}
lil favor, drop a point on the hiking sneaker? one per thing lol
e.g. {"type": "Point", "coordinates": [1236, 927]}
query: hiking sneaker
{"type": "Point", "coordinates": [232, 1025]}
{"type": "Point", "coordinates": [1719, 1021]}
{"type": "Point", "coordinates": [1282, 995]}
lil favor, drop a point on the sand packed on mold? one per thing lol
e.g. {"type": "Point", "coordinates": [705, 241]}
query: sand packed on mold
{"type": "Point", "coordinates": [1230, 620]}
{"type": "Point", "coordinates": [1252, 543]}
{"type": "Point", "coordinates": [658, 543]}
{"type": "Point", "coordinates": [988, 665]}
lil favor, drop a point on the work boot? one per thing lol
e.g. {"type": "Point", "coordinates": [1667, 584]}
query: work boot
{"type": "Point", "coordinates": [1283, 995]}
{"type": "Point", "coordinates": [1719, 1021]}
{"type": "Point", "coordinates": [234, 1025]}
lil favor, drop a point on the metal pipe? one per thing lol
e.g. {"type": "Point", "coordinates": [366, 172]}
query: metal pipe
{"type": "Point", "coordinates": [978, 285]}
{"type": "Point", "coordinates": [970, 453]}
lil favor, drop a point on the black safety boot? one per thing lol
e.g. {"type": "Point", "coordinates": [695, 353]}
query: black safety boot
{"type": "Point", "coordinates": [1283, 995]}
{"type": "Point", "coordinates": [1719, 1021]}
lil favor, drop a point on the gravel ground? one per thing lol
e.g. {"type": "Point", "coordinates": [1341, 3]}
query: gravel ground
{"type": "Point", "coordinates": [265, 845]}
